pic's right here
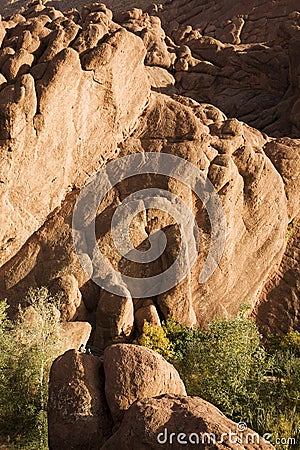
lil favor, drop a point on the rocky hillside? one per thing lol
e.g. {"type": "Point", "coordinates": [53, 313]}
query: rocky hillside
{"type": "Point", "coordinates": [213, 84]}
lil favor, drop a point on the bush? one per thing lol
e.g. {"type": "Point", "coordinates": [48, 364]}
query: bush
{"type": "Point", "coordinates": [227, 366]}
{"type": "Point", "coordinates": [154, 337]}
{"type": "Point", "coordinates": [28, 347]}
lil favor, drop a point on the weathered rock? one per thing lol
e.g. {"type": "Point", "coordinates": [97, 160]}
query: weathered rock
{"type": "Point", "coordinates": [278, 309]}
{"type": "Point", "coordinates": [77, 411]}
{"type": "Point", "coordinates": [133, 372]}
{"type": "Point", "coordinates": [114, 318]}
{"type": "Point", "coordinates": [239, 56]}
{"type": "Point", "coordinates": [146, 312]}
{"type": "Point", "coordinates": [53, 112]}
{"type": "Point", "coordinates": [285, 155]}
{"type": "Point", "coordinates": [73, 334]}
{"type": "Point", "coordinates": [71, 306]}
{"type": "Point", "coordinates": [172, 421]}
{"type": "Point", "coordinates": [232, 155]}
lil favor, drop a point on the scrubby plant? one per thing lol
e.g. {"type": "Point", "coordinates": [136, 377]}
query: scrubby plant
{"type": "Point", "coordinates": [227, 365]}
{"type": "Point", "coordinates": [28, 346]}
{"type": "Point", "coordinates": [154, 337]}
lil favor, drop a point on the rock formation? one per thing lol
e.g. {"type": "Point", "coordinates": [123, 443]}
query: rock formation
{"type": "Point", "coordinates": [78, 413]}
{"type": "Point", "coordinates": [133, 372]}
{"type": "Point", "coordinates": [213, 83]}
{"type": "Point", "coordinates": [135, 398]}
{"type": "Point", "coordinates": [42, 48]}
{"type": "Point", "coordinates": [65, 99]}
{"type": "Point", "coordinates": [172, 421]}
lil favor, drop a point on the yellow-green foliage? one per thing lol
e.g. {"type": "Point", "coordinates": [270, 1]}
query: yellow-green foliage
{"type": "Point", "coordinates": [154, 337]}
{"type": "Point", "coordinates": [290, 229]}
{"type": "Point", "coordinates": [226, 365]}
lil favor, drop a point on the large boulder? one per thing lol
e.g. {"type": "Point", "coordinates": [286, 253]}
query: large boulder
{"type": "Point", "coordinates": [78, 415]}
{"type": "Point", "coordinates": [133, 372]}
{"type": "Point", "coordinates": [172, 422]}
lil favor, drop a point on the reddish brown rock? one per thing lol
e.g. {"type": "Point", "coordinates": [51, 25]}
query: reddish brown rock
{"type": "Point", "coordinates": [232, 154]}
{"type": "Point", "coordinates": [74, 334]}
{"type": "Point", "coordinates": [114, 317]}
{"type": "Point", "coordinates": [278, 309]}
{"type": "Point", "coordinates": [52, 114]}
{"type": "Point", "coordinates": [172, 421]}
{"type": "Point", "coordinates": [285, 155]}
{"type": "Point", "coordinates": [133, 372]}
{"type": "Point", "coordinates": [77, 411]}
{"type": "Point", "coordinates": [146, 311]}
{"type": "Point", "coordinates": [71, 306]}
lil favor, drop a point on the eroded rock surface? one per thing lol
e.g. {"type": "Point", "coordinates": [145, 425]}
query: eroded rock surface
{"type": "Point", "coordinates": [157, 422]}
{"type": "Point", "coordinates": [65, 105]}
{"type": "Point", "coordinates": [133, 372]}
{"type": "Point", "coordinates": [77, 411]}
{"type": "Point", "coordinates": [76, 86]}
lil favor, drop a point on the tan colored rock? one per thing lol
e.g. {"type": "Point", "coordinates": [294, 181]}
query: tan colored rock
{"type": "Point", "coordinates": [60, 39]}
{"type": "Point", "coordinates": [70, 298]}
{"type": "Point", "coordinates": [18, 64]}
{"type": "Point", "coordinates": [114, 317]}
{"type": "Point", "coordinates": [170, 421]}
{"type": "Point", "coordinates": [73, 334]}
{"type": "Point", "coordinates": [55, 113]}
{"type": "Point", "coordinates": [147, 312]}
{"type": "Point", "coordinates": [3, 81]}
{"type": "Point", "coordinates": [77, 411]}
{"type": "Point", "coordinates": [132, 373]}
{"type": "Point", "coordinates": [278, 309]}
{"type": "Point", "coordinates": [285, 155]}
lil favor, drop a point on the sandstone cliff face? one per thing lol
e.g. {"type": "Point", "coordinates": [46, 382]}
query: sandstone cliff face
{"type": "Point", "coordinates": [233, 157]}
{"type": "Point", "coordinates": [239, 56]}
{"type": "Point", "coordinates": [65, 104]}
{"type": "Point", "coordinates": [78, 414]}
{"type": "Point", "coordinates": [66, 96]}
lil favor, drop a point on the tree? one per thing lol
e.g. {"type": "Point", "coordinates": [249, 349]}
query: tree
{"type": "Point", "coordinates": [28, 347]}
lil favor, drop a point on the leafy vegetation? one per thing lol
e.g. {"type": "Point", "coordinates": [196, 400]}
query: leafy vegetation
{"type": "Point", "coordinates": [227, 365]}
{"type": "Point", "coordinates": [28, 347]}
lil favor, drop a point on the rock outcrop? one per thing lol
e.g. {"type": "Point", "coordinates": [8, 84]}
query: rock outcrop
{"type": "Point", "coordinates": [133, 372]}
{"type": "Point", "coordinates": [64, 107]}
{"type": "Point", "coordinates": [173, 422]}
{"type": "Point", "coordinates": [144, 396]}
{"type": "Point", "coordinates": [239, 56]}
{"type": "Point", "coordinates": [78, 415]}
{"type": "Point", "coordinates": [232, 155]}
{"type": "Point", "coordinates": [216, 84]}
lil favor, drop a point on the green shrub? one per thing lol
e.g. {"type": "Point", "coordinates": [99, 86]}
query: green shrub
{"type": "Point", "coordinates": [226, 365]}
{"type": "Point", "coordinates": [28, 347]}
{"type": "Point", "coordinates": [154, 337]}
